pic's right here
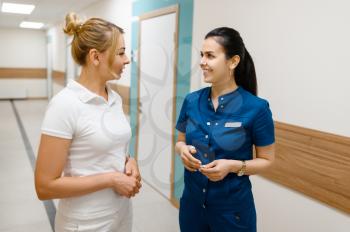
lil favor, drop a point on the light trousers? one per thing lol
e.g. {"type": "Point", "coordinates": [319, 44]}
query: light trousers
{"type": "Point", "coordinates": [121, 221]}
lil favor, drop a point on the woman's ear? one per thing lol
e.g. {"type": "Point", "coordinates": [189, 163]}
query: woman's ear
{"type": "Point", "coordinates": [234, 61]}
{"type": "Point", "coordinates": [94, 57]}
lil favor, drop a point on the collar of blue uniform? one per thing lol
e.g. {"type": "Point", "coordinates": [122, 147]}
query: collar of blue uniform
{"type": "Point", "coordinates": [224, 96]}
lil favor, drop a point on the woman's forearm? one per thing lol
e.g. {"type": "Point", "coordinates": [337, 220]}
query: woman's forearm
{"type": "Point", "coordinates": [64, 187]}
{"type": "Point", "coordinates": [254, 166]}
{"type": "Point", "coordinates": [265, 155]}
{"type": "Point", "coordinates": [257, 166]}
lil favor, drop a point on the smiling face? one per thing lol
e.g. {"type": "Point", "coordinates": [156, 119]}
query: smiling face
{"type": "Point", "coordinates": [215, 66]}
{"type": "Point", "coordinates": [115, 69]}
{"type": "Point", "coordinates": [120, 59]}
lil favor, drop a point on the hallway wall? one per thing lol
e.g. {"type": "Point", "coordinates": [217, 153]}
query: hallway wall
{"type": "Point", "coordinates": [24, 49]}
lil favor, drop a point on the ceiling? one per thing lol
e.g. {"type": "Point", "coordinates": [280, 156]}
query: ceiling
{"type": "Point", "coordinates": [49, 12]}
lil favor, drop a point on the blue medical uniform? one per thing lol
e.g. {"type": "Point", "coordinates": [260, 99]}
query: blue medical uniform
{"type": "Point", "coordinates": [240, 121]}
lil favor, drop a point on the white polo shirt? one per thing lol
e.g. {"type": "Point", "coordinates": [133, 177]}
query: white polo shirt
{"type": "Point", "coordinates": [100, 134]}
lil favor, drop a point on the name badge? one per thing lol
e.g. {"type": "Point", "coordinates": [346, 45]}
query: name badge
{"type": "Point", "coordinates": [233, 124]}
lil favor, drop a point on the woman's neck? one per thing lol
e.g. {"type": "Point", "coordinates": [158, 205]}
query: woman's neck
{"type": "Point", "coordinates": [219, 89]}
{"type": "Point", "coordinates": [90, 80]}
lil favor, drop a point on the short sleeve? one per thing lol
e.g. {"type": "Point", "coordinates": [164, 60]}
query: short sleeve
{"type": "Point", "coordinates": [263, 127]}
{"type": "Point", "coordinates": [59, 120]}
{"type": "Point", "coordinates": [182, 120]}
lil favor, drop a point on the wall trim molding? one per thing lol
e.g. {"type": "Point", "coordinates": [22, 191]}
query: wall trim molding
{"type": "Point", "coordinates": [314, 163]}
{"type": "Point", "coordinates": [23, 73]}
{"type": "Point", "coordinates": [59, 77]}
{"type": "Point", "coordinates": [32, 73]}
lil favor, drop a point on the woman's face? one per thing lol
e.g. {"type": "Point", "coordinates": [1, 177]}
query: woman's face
{"type": "Point", "coordinates": [214, 64]}
{"type": "Point", "coordinates": [121, 58]}
{"type": "Point", "coordinates": [119, 62]}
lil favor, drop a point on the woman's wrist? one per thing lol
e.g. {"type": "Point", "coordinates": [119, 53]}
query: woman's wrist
{"type": "Point", "coordinates": [131, 159]}
{"type": "Point", "coordinates": [180, 146]}
{"type": "Point", "coordinates": [236, 165]}
{"type": "Point", "coordinates": [112, 178]}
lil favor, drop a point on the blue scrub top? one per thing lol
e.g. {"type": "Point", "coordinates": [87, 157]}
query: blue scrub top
{"type": "Point", "coordinates": [240, 121]}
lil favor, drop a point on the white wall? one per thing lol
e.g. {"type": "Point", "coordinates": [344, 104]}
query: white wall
{"type": "Point", "coordinates": [22, 48]}
{"type": "Point", "coordinates": [13, 88]}
{"type": "Point", "coordinates": [282, 209]}
{"type": "Point", "coordinates": [301, 51]}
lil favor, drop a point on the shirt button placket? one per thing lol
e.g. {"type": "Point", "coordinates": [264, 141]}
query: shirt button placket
{"type": "Point", "coordinates": [222, 106]}
{"type": "Point", "coordinates": [204, 192]}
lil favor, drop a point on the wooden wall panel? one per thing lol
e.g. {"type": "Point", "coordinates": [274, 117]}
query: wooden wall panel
{"type": "Point", "coordinates": [31, 73]}
{"type": "Point", "coordinates": [23, 73]}
{"type": "Point", "coordinates": [314, 163]}
{"type": "Point", "coordinates": [58, 77]}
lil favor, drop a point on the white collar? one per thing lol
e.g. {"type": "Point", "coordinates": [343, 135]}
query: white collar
{"type": "Point", "coordinates": [85, 95]}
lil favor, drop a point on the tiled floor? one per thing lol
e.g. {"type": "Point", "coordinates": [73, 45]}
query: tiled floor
{"type": "Point", "coordinates": [21, 211]}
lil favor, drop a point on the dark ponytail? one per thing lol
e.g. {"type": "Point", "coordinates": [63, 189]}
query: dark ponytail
{"type": "Point", "coordinates": [245, 74]}
{"type": "Point", "coordinates": [232, 43]}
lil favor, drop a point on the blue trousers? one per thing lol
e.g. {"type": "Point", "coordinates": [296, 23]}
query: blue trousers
{"type": "Point", "coordinates": [194, 217]}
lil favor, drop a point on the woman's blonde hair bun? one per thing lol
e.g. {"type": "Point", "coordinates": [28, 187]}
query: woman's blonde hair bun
{"type": "Point", "coordinates": [73, 24]}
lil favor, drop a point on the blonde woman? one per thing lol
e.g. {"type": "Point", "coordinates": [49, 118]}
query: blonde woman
{"type": "Point", "coordinates": [82, 156]}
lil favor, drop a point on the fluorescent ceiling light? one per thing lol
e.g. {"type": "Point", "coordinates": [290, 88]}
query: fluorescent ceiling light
{"type": "Point", "coordinates": [17, 8]}
{"type": "Point", "coordinates": [32, 25]}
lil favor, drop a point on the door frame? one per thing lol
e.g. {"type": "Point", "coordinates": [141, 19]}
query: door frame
{"type": "Point", "coordinates": [153, 14]}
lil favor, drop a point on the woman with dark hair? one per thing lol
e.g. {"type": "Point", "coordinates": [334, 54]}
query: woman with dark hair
{"type": "Point", "coordinates": [219, 126]}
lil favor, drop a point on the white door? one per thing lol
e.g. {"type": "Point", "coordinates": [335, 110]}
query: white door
{"type": "Point", "coordinates": [157, 54]}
